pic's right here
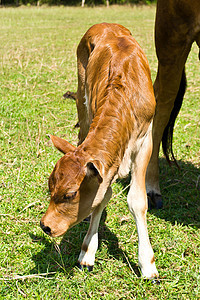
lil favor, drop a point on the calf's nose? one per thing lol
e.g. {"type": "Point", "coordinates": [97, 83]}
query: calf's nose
{"type": "Point", "coordinates": [46, 229]}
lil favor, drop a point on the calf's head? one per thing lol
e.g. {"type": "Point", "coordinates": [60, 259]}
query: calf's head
{"type": "Point", "coordinates": [73, 185]}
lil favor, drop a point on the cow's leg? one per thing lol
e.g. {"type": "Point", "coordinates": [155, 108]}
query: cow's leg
{"type": "Point", "coordinates": [166, 89]}
{"type": "Point", "coordinates": [137, 202]}
{"type": "Point", "coordinates": [90, 243]}
{"type": "Point", "coordinates": [173, 42]}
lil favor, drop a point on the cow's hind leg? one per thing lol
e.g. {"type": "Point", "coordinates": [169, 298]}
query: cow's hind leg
{"type": "Point", "coordinates": [137, 202]}
{"type": "Point", "coordinates": [90, 243]}
{"type": "Point", "coordinates": [169, 91]}
{"type": "Point", "coordinates": [173, 44]}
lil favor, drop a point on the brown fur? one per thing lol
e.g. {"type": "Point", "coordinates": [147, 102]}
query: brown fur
{"type": "Point", "coordinates": [115, 103]}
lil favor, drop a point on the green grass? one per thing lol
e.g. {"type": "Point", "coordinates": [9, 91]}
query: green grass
{"type": "Point", "coordinates": [37, 66]}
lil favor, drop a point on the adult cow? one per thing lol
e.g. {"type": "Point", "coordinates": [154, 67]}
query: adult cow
{"type": "Point", "coordinates": [177, 26]}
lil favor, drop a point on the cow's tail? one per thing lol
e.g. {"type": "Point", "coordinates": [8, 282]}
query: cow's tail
{"type": "Point", "coordinates": [167, 138]}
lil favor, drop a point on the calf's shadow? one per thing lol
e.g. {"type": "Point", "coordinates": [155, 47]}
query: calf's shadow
{"type": "Point", "coordinates": [64, 257]}
{"type": "Point", "coordinates": [181, 196]}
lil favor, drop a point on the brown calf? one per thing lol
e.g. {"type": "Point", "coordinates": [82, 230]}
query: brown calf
{"type": "Point", "coordinates": [116, 104]}
{"type": "Point", "coordinates": [177, 27]}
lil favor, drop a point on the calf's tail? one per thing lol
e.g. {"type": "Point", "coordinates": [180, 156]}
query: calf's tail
{"type": "Point", "coordinates": [167, 138]}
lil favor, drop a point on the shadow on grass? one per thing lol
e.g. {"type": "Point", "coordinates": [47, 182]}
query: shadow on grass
{"type": "Point", "coordinates": [64, 258]}
{"type": "Point", "coordinates": [180, 190]}
{"type": "Point", "coordinates": [181, 195]}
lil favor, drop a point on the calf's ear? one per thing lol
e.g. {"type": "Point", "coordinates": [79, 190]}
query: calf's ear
{"type": "Point", "coordinates": [61, 144]}
{"type": "Point", "coordinates": [94, 168]}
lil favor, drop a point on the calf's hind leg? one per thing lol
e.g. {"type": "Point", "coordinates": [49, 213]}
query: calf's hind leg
{"type": "Point", "coordinates": [169, 84]}
{"type": "Point", "coordinates": [137, 202]}
{"type": "Point", "coordinates": [82, 59]}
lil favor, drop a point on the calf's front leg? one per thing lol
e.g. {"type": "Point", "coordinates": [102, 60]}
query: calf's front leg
{"type": "Point", "coordinates": [90, 242]}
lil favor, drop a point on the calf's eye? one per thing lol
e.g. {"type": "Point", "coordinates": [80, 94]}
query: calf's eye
{"type": "Point", "coordinates": [70, 196]}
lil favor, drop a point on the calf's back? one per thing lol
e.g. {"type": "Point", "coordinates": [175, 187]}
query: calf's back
{"type": "Point", "coordinates": [116, 93]}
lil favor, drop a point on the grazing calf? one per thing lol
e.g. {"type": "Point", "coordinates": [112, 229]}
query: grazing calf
{"type": "Point", "coordinates": [116, 104]}
{"type": "Point", "coordinates": [177, 27]}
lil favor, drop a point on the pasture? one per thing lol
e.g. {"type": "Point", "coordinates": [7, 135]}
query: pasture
{"type": "Point", "coordinates": [37, 66]}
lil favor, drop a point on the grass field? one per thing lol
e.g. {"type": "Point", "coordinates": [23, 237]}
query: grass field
{"type": "Point", "coordinates": [37, 66]}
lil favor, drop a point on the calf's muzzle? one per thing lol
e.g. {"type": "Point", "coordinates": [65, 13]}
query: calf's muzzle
{"type": "Point", "coordinates": [46, 229]}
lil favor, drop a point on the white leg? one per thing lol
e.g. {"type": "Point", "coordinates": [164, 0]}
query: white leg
{"type": "Point", "coordinates": [145, 253]}
{"type": "Point", "coordinates": [137, 202]}
{"type": "Point", "coordinates": [90, 243]}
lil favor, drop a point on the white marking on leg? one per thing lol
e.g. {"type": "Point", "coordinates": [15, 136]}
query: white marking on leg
{"type": "Point", "coordinates": [146, 261]}
{"type": "Point", "coordinates": [137, 202]}
{"type": "Point", "coordinates": [87, 257]}
{"type": "Point", "coordinates": [90, 243]}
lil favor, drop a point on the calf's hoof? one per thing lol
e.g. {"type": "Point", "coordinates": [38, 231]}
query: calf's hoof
{"type": "Point", "coordinates": [155, 281]}
{"type": "Point", "coordinates": [82, 267]}
{"type": "Point", "coordinates": [154, 200]}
